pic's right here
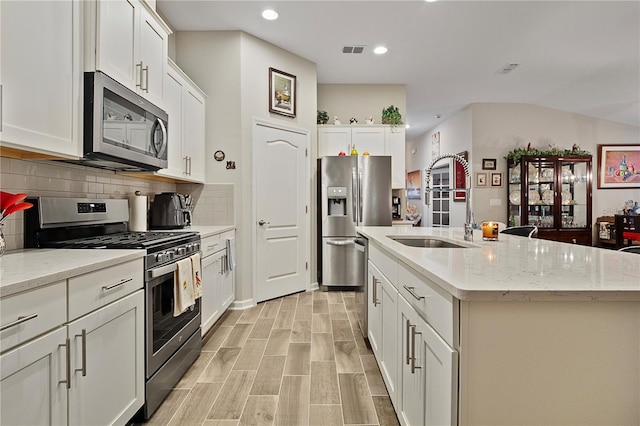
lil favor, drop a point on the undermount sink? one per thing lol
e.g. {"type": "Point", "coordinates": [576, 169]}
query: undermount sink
{"type": "Point", "coordinates": [427, 242]}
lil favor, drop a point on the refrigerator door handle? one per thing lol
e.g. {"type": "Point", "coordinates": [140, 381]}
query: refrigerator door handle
{"type": "Point", "coordinates": [340, 242]}
{"type": "Point", "coordinates": [355, 191]}
{"type": "Point", "coordinates": [360, 196]}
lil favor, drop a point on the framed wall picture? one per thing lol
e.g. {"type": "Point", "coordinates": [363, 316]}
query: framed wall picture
{"type": "Point", "coordinates": [618, 166]}
{"type": "Point", "coordinates": [413, 185]}
{"type": "Point", "coordinates": [435, 145]}
{"type": "Point", "coordinates": [459, 178]}
{"type": "Point", "coordinates": [481, 180]}
{"type": "Point", "coordinates": [488, 164]}
{"type": "Point", "coordinates": [282, 93]}
{"type": "Point", "coordinates": [496, 179]}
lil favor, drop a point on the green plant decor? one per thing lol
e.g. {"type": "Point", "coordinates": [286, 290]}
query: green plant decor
{"type": "Point", "coordinates": [323, 117]}
{"type": "Point", "coordinates": [391, 115]}
{"type": "Point", "coordinates": [517, 153]}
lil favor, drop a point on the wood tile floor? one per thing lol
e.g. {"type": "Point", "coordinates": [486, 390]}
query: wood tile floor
{"type": "Point", "coordinates": [298, 360]}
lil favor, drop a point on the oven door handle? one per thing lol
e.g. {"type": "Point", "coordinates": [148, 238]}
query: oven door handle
{"type": "Point", "coordinates": [163, 270]}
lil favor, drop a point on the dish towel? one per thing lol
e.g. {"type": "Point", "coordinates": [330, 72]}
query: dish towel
{"type": "Point", "coordinates": [231, 253]}
{"type": "Point", "coordinates": [197, 275]}
{"type": "Point", "coordinates": [183, 288]}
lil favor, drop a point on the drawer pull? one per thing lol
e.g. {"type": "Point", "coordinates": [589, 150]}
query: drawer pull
{"type": "Point", "coordinates": [67, 364]}
{"type": "Point", "coordinates": [20, 320]}
{"type": "Point", "coordinates": [412, 292]}
{"type": "Point", "coordinates": [414, 367]}
{"type": "Point", "coordinates": [112, 286]}
{"type": "Point", "coordinates": [211, 247]}
{"type": "Point", "coordinates": [84, 352]}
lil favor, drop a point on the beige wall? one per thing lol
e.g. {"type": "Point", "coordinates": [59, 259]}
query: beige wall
{"type": "Point", "coordinates": [492, 130]}
{"type": "Point", "coordinates": [233, 69]}
{"type": "Point", "coordinates": [360, 100]}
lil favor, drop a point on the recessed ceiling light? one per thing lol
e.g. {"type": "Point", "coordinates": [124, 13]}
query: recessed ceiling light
{"type": "Point", "coordinates": [430, 1]}
{"type": "Point", "coordinates": [380, 50]}
{"type": "Point", "coordinates": [407, 126]}
{"type": "Point", "coordinates": [270, 15]}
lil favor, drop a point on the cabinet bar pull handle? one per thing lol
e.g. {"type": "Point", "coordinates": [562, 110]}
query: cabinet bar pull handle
{"type": "Point", "coordinates": [146, 79]}
{"type": "Point", "coordinates": [84, 352]}
{"type": "Point", "coordinates": [414, 367]}
{"type": "Point", "coordinates": [67, 363]}
{"type": "Point", "coordinates": [412, 292]}
{"type": "Point", "coordinates": [20, 320]}
{"type": "Point", "coordinates": [375, 300]}
{"type": "Point", "coordinates": [408, 357]}
{"type": "Point", "coordinates": [139, 72]}
{"type": "Point", "coordinates": [109, 287]}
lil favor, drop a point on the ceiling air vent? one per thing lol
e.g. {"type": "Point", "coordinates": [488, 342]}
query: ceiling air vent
{"type": "Point", "coordinates": [507, 68]}
{"type": "Point", "coordinates": [356, 50]}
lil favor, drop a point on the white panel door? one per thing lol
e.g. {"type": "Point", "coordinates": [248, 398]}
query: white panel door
{"type": "Point", "coordinates": [333, 140]}
{"type": "Point", "coordinates": [117, 51]}
{"type": "Point", "coordinates": [211, 302]}
{"type": "Point", "coordinates": [390, 339]}
{"type": "Point", "coordinates": [107, 384]}
{"type": "Point", "coordinates": [281, 196]}
{"type": "Point", "coordinates": [374, 309]}
{"type": "Point", "coordinates": [173, 102]}
{"type": "Point", "coordinates": [368, 139]}
{"type": "Point", "coordinates": [193, 142]}
{"type": "Point", "coordinates": [41, 80]}
{"type": "Point", "coordinates": [411, 401]}
{"type": "Point", "coordinates": [439, 366]}
{"type": "Point", "coordinates": [394, 145]}
{"type": "Point", "coordinates": [30, 381]}
{"type": "Point", "coordinates": [153, 55]}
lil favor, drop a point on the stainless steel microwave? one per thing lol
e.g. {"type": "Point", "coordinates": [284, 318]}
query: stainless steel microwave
{"type": "Point", "coordinates": [122, 130]}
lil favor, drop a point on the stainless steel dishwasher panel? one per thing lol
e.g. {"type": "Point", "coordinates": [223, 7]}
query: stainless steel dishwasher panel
{"type": "Point", "coordinates": [361, 295]}
{"type": "Point", "coordinates": [341, 262]}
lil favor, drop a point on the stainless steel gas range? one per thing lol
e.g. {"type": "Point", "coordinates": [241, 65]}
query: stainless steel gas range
{"type": "Point", "coordinates": [172, 344]}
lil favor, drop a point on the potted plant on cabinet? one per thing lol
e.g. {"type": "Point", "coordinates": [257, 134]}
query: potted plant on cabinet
{"type": "Point", "coordinates": [391, 115]}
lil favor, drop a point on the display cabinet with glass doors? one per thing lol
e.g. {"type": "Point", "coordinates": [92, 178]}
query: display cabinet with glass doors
{"type": "Point", "coordinates": [554, 194]}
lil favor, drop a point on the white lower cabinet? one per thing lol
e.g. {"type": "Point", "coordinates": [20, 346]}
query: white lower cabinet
{"type": "Point", "coordinates": [382, 323]}
{"type": "Point", "coordinates": [73, 351]}
{"type": "Point", "coordinates": [429, 373]}
{"type": "Point", "coordinates": [419, 367]}
{"type": "Point", "coordinates": [107, 363]}
{"type": "Point", "coordinates": [32, 382]}
{"type": "Point", "coordinates": [218, 280]}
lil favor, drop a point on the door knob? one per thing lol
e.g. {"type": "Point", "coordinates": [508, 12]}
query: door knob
{"type": "Point", "coordinates": [262, 222]}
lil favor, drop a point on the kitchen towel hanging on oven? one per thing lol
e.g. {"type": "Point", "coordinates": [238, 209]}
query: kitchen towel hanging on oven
{"type": "Point", "coordinates": [231, 253]}
{"type": "Point", "coordinates": [197, 275]}
{"type": "Point", "coordinates": [183, 289]}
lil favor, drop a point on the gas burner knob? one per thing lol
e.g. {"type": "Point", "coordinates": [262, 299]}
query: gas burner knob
{"type": "Point", "coordinates": [196, 246]}
{"type": "Point", "coordinates": [170, 254]}
{"type": "Point", "coordinates": [160, 257]}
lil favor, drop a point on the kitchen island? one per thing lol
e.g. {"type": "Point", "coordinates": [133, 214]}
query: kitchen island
{"type": "Point", "coordinates": [514, 331]}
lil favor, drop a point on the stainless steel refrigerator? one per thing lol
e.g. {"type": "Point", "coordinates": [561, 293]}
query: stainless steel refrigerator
{"type": "Point", "coordinates": [353, 191]}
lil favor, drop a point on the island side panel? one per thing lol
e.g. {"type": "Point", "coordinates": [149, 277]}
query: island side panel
{"type": "Point", "coordinates": [551, 363]}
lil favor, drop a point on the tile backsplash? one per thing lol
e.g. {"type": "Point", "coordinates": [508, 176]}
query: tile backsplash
{"type": "Point", "coordinates": [213, 202]}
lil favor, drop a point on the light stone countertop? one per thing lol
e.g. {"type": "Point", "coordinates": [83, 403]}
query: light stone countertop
{"type": "Point", "coordinates": [26, 269]}
{"type": "Point", "coordinates": [206, 231]}
{"type": "Point", "coordinates": [515, 268]}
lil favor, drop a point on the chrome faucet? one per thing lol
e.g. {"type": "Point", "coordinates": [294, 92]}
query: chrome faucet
{"type": "Point", "coordinates": [468, 226]}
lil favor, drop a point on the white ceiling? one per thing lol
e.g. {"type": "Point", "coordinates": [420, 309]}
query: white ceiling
{"type": "Point", "coordinates": [578, 56]}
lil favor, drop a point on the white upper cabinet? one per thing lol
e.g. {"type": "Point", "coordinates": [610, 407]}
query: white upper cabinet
{"type": "Point", "coordinates": [185, 104]}
{"type": "Point", "coordinates": [376, 140]}
{"type": "Point", "coordinates": [40, 73]}
{"type": "Point", "coordinates": [128, 42]}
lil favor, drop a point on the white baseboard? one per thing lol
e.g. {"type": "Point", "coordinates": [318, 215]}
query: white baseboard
{"type": "Point", "coordinates": [314, 286]}
{"type": "Point", "coordinates": [239, 305]}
